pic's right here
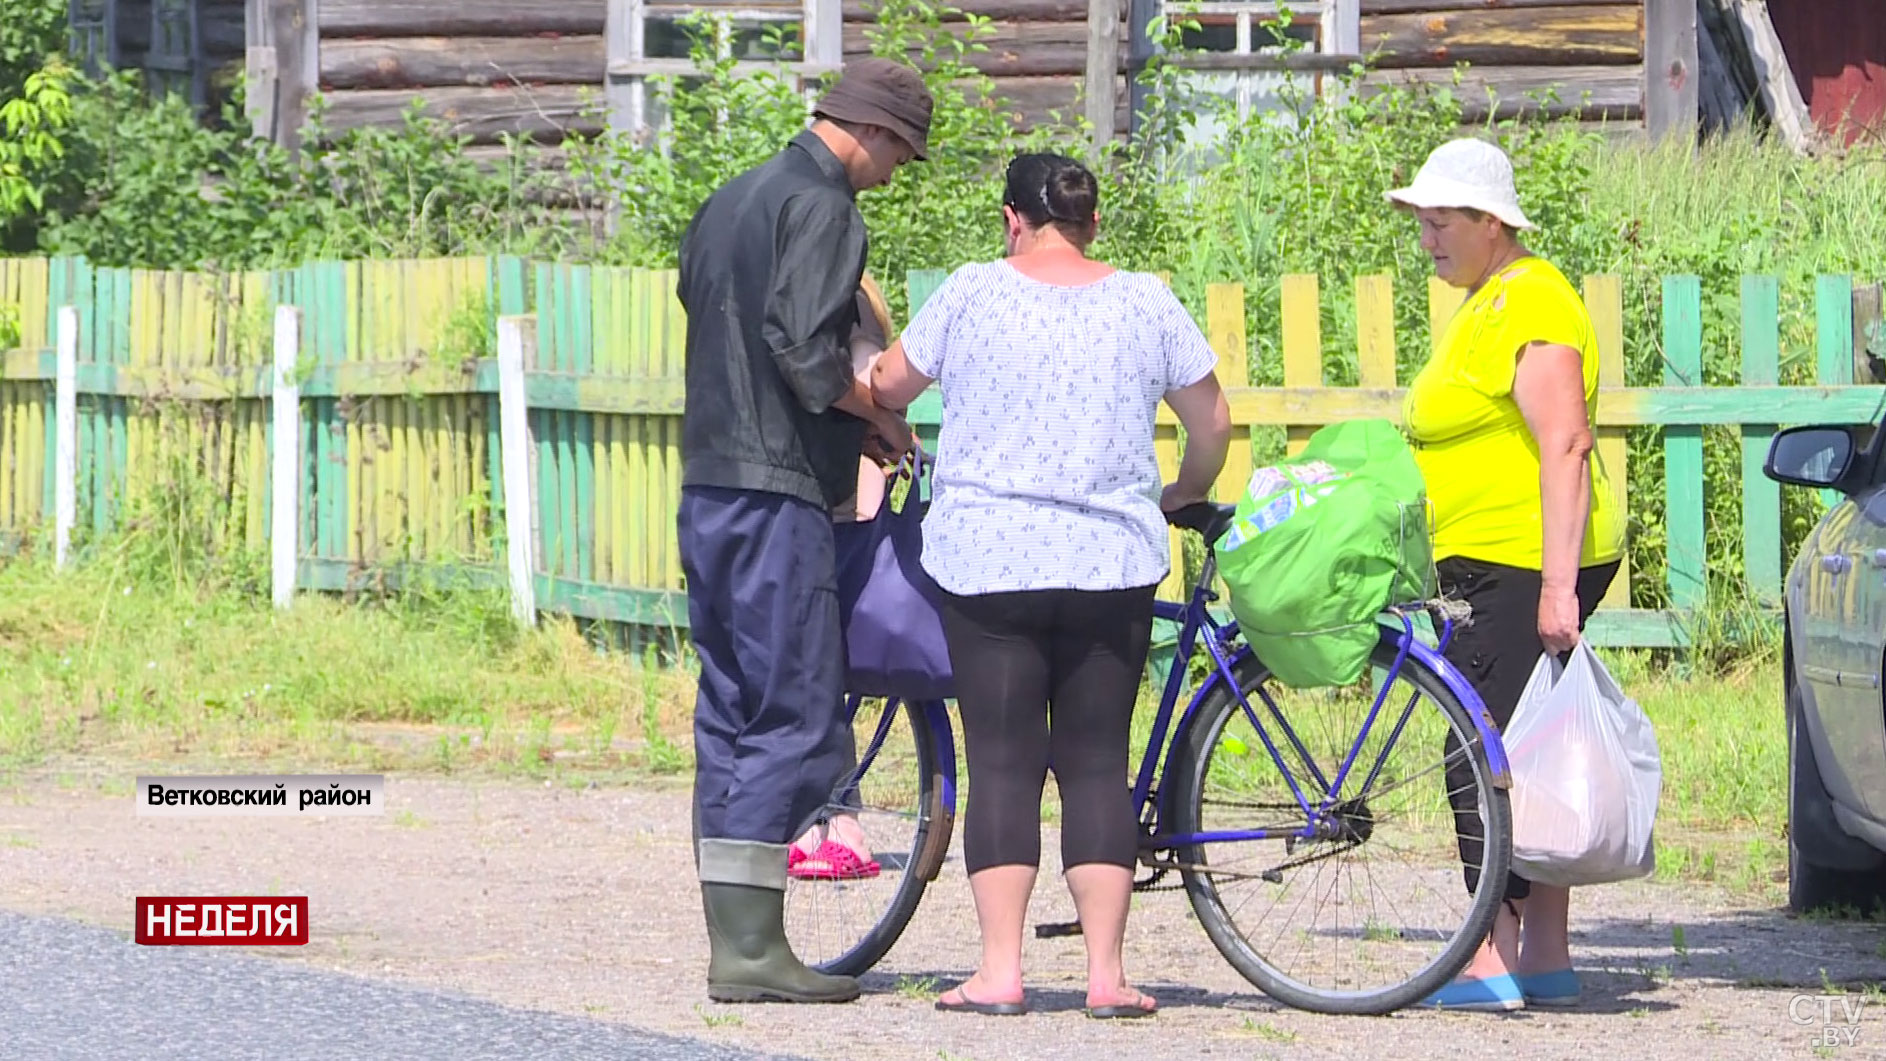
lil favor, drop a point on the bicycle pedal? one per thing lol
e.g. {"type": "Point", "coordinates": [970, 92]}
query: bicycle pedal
{"type": "Point", "coordinates": [1061, 928]}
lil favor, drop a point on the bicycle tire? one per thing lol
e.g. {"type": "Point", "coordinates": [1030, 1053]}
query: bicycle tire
{"type": "Point", "coordinates": [883, 935]}
{"type": "Point", "coordinates": [1187, 772]}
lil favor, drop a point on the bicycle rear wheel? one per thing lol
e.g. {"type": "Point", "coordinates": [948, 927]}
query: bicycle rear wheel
{"type": "Point", "coordinates": [1372, 912]}
{"type": "Point", "coordinates": [896, 796]}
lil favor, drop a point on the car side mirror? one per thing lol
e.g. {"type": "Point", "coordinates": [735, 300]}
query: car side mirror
{"type": "Point", "coordinates": [1810, 456]}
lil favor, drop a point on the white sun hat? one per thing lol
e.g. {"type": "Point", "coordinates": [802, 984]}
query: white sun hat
{"type": "Point", "coordinates": [1465, 174]}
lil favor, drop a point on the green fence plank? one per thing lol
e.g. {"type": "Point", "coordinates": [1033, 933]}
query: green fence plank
{"type": "Point", "coordinates": [1687, 558]}
{"type": "Point", "coordinates": [1833, 330]}
{"type": "Point", "coordinates": [920, 284]}
{"type": "Point", "coordinates": [543, 424]}
{"type": "Point", "coordinates": [1761, 496]}
{"type": "Point", "coordinates": [1636, 628]}
{"type": "Point", "coordinates": [926, 413]}
{"type": "Point", "coordinates": [582, 360]}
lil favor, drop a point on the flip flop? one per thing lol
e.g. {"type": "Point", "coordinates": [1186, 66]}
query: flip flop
{"type": "Point", "coordinates": [1128, 1012]}
{"type": "Point", "coordinates": [832, 861]}
{"type": "Point", "coordinates": [987, 1009]}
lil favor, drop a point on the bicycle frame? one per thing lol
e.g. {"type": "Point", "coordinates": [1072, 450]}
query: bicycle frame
{"type": "Point", "coordinates": [1197, 625]}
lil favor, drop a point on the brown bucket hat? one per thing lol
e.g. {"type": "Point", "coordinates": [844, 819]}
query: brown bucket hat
{"type": "Point", "coordinates": [885, 93]}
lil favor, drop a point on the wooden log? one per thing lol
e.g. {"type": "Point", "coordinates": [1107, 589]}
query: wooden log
{"type": "Point", "coordinates": [1102, 68]}
{"type": "Point", "coordinates": [1404, 7]}
{"type": "Point", "coordinates": [547, 113]}
{"type": "Point", "coordinates": [541, 176]}
{"type": "Point", "coordinates": [297, 45]}
{"type": "Point", "coordinates": [451, 18]}
{"type": "Point", "coordinates": [1545, 36]}
{"type": "Point", "coordinates": [1029, 101]}
{"type": "Point", "coordinates": [1586, 92]}
{"type": "Point", "coordinates": [412, 62]}
{"type": "Point", "coordinates": [1015, 49]}
{"type": "Point", "coordinates": [997, 10]}
{"type": "Point", "coordinates": [1671, 77]}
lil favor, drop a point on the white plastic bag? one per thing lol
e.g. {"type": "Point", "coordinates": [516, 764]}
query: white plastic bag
{"type": "Point", "coordinates": [1586, 777]}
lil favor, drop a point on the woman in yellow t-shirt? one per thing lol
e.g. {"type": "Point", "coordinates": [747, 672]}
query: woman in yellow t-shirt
{"type": "Point", "coordinates": [1526, 529]}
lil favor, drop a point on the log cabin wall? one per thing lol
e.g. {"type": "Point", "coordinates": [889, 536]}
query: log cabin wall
{"type": "Point", "coordinates": [1037, 53]}
{"type": "Point", "coordinates": [487, 67]}
{"type": "Point", "coordinates": [495, 66]}
{"type": "Point", "coordinates": [1515, 47]}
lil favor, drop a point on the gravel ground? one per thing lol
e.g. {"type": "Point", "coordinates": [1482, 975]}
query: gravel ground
{"type": "Point", "coordinates": [582, 902]}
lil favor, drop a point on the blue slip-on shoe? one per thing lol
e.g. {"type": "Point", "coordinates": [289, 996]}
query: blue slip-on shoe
{"type": "Point", "coordinates": [1559, 988]}
{"type": "Point", "coordinates": [1494, 994]}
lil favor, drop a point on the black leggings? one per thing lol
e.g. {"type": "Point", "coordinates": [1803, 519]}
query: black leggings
{"type": "Point", "coordinates": [1497, 652]}
{"type": "Point", "coordinates": [1022, 659]}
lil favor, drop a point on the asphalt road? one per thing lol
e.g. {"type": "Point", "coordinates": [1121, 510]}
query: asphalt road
{"type": "Point", "coordinates": [73, 991]}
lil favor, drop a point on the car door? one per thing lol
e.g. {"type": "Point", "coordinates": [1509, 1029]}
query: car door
{"type": "Point", "coordinates": [1823, 580]}
{"type": "Point", "coordinates": [1838, 590]}
{"type": "Point", "coordinates": [1855, 720]}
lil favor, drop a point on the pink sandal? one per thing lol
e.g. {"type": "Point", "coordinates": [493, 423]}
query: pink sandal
{"type": "Point", "coordinates": [832, 861]}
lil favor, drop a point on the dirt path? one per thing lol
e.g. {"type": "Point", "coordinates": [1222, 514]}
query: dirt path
{"type": "Point", "coordinates": [583, 901]}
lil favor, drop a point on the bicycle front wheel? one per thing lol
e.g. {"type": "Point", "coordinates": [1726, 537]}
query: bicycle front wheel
{"type": "Point", "coordinates": [843, 923]}
{"type": "Point", "coordinates": [1387, 844]}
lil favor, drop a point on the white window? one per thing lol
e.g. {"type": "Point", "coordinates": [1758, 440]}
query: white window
{"type": "Point", "coordinates": [1244, 62]}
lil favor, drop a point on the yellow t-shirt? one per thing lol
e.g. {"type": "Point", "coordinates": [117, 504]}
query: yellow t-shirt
{"type": "Point", "coordinates": [1474, 448]}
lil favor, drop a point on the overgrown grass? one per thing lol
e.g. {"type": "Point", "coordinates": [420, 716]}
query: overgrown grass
{"type": "Point", "coordinates": [114, 660]}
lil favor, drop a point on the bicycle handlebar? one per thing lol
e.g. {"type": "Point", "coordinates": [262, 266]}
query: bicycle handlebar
{"type": "Point", "coordinates": [1210, 519]}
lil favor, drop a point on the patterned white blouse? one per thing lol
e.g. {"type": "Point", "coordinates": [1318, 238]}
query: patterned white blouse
{"type": "Point", "coordinates": [1045, 473]}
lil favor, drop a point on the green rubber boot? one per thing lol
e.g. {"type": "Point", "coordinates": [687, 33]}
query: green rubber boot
{"type": "Point", "coordinates": [752, 962]}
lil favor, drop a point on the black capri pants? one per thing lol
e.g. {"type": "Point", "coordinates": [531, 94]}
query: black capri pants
{"type": "Point", "coordinates": [1497, 650]}
{"type": "Point", "coordinates": [1048, 677]}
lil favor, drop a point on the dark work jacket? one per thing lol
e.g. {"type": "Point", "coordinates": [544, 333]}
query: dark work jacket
{"type": "Point", "coordinates": [770, 268]}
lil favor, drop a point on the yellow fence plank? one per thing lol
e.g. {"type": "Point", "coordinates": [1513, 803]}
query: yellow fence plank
{"type": "Point", "coordinates": [28, 289]}
{"type": "Point", "coordinates": [1303, 346]}
{"type": "Point", "coordinates": [1375, 331]}
{"type": "Point", "coordinates": [639, 498]}
{"type": "Point", "coordinates": [1224, 326]}
{"type": "Point", "coordinates": [1604, 302]}
{"type": "Point", "coordinates": [9, 453]}
{"type": "Point", "coordinates": [1443, 300]}
{"type": "Point", "coordinates": [675, 347]}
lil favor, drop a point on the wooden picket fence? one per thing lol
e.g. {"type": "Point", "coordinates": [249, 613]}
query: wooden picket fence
{"type": "Point", "coordinates": [394, 385]}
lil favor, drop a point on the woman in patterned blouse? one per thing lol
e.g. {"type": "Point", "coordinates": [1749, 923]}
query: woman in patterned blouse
{"type": "Point", "coordinates": [1046, 534]}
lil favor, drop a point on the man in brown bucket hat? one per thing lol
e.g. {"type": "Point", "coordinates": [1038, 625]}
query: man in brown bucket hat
{"type": "Point", "coordinates": [771, 431]}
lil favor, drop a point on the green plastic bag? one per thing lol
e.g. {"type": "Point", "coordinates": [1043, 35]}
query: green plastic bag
{"type": "Point", "coordinates": [1321, 545]}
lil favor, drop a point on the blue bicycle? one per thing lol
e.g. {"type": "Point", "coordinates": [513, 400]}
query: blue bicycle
{"type": "Point", "coordinates": [1331, 841]}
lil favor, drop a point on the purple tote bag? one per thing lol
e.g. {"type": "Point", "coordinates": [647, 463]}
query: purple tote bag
{"type": "Point", "coordinates": [888, 603]}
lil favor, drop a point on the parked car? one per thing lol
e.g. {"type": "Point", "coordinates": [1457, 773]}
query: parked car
{"type": "Point", "coordinates": [1834, 655]}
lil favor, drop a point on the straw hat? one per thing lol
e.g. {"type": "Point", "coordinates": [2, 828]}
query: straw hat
{"type": "Point", "coordinates": [1465, 174]}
